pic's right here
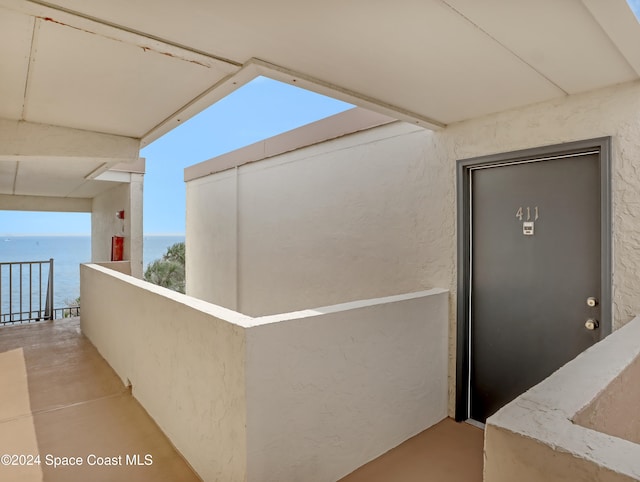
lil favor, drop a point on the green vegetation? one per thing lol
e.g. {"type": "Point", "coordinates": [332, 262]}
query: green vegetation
{"type": "Point", "coordinates": [169, 270]}
{"type": "Point", "coordinates": [72, 308]}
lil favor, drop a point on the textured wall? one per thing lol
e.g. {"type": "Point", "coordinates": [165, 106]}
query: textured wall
{"type": "Point", "coordinates": [211, 240]}
{"type": "Point", "coordinates": [615, 410]}
{"type": "Point", "coordinates": [104, 224]}
{"type": "Point", "coordinates": [307, 396]}
{"type": "Point", "coordinates": [539, 436]}
{"type": "Point", "coordinates": [331, 389]}
{"type": "Point", "coordinates": [359, 217]}
{"type": "Point", "coordinates": [374, 213]}
{"type": "Point", "coordinates": [185, 360]}
{"type": "Point", "coordinates": [609, 112]}
{"type": "Point", "coordinates": [612, 112]}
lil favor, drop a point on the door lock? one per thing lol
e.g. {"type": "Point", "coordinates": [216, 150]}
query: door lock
{"type": "Point", "coordinates": [591, 324]}
{"type": "Point", "coordinates": [591, 301]}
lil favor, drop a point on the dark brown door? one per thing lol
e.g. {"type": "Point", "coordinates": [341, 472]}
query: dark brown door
{"type": "Point", "coordinates": [535, 261]}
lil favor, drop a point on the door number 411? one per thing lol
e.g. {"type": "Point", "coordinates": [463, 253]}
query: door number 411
{"type": "Point", "coordinates": [521, 213]}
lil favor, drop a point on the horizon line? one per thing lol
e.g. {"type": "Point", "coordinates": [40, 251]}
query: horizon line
{"type": "Point", "coordinates": [26, 235]}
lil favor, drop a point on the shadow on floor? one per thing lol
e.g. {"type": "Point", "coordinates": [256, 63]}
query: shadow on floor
{"type": "Point", "coordinates": [60, 398]}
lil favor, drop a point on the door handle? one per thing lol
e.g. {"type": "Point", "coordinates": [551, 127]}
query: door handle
{"type": "Point", "coordinates": [591, 324]}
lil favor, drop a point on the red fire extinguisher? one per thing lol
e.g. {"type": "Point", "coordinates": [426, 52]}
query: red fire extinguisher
{"type": "Point", "coordinates": [117, 248]}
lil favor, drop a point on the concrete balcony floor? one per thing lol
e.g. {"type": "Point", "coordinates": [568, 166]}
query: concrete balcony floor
{"type": "Point", "coordinates": [59, 397]}
{"type": "Point", "coordinates": [446, 452]}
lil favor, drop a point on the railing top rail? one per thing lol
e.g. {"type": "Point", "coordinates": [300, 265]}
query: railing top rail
{"type": "Point", "coordinates": [13, 296]}
{"type": "Point", "coordinates": [4, 263]}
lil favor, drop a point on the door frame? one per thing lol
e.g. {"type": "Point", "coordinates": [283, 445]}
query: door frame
{"type": "Point", "coordinates": [463, 185]}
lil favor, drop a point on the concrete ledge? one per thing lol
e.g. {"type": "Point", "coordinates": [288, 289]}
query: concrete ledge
{"type": "Point", "coordinates": [538, 436]}
{"type": "Point", "coordinates": [123, 267]}
{"type": "Point", "coordinates": [344, 123]}
{"type": "Point", "coordinates": [352, 305]}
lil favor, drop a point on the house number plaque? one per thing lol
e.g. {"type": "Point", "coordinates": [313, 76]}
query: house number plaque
{"type": "Point", "coordinates": [525, 214]}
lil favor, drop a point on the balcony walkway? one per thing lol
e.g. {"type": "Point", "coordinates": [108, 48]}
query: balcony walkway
{"type": "Point", "coordinates": [446, 452]}
{"type": "Point", "coordinates": [58, 396]}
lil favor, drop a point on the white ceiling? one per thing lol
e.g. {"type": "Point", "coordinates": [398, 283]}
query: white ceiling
{"type": "Point", "coordinates": [138, 68]}
{"type": "Point", "coordinates": [61, 75]}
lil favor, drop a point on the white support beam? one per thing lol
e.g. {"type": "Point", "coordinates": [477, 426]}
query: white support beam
{"type": "Point", "coordinates": [114, 176]}
{"type": "Point", "coordinates": [108, 162]}
{"type": "Point", "coordinates": [25, 139]}
{"type": "Point", "coordinates": [256, 68]}
{"type": "Point", "coordinates": [209, 97]}
{"type": "Point", "coordinates": [138, 166]}
{"type": "Point", "coordinates": [619, 22]}
{"type": "Point", "coordinates": [43, 203]}
{"type": "Point", "coordinates": [304, 81]}
{"type": "Point", "coordinates": [117, 170]}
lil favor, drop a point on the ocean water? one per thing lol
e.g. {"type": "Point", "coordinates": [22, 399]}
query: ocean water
{"type": "Point", "coordinates": [68, 252]}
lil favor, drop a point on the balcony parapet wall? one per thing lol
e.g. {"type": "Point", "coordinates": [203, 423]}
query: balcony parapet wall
{"type": "Point", "coordinates": [580, 424]}
{"type": "Point", "coordinates": [310, 395]}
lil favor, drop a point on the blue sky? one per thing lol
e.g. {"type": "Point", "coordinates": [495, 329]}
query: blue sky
{"type": "Point", "coordinates": [635, 6]}
{"type": "Point", "coordinates": [259, 110]}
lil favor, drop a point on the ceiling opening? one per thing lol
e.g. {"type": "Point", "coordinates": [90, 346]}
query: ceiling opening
{"type": "Point", "coordinates": [635, 8]}
{"type": "Point", "coordinates": [260, 109]}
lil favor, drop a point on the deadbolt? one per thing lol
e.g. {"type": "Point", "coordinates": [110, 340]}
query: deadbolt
{"type": "Point", "coordinates": [591, 324]}
{"type": "Point", "coordinates": [591, 301]}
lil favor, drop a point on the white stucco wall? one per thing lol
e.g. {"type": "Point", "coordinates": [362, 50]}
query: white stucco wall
{"type": "Point", "coordinates": [211, 240]}
{"type": "Point", "coordinates": [125, 197]}
{"type": "Point", "coordinates": [615, 411]}
{"type": "Point", "coordinates": [185, 360]}
{"type": "Point", "coordinates": [612, 112]}
{"type": "Point", "coordinates": [373, 213]}
{"type": "Point", "coordinates": [123, 267]}
{"type": "Point", "coordinates": [330, 389]}
{"type": "Point", "coordinates": [556, 430]}
{"type": "Point", "coordinates": [359, 217]}
{"type": "Point", "coordinates": [308, 395]}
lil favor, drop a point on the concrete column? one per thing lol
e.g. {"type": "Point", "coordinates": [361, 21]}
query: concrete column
{"type": "Point", "coordinates": [136, 187]}
{"type": "Point", "coordinates": [125, 197]}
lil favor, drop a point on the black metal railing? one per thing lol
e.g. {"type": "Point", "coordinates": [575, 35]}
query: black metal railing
{"type": "Point", "coordinates": [66, 312]}
{"type": "Point", "coordinates": [26, 292]}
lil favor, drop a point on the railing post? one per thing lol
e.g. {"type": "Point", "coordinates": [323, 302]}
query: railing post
{"type": "Point", "coordinates": [53, 313]}
{"type": "Point", "coordinates": [10, 292]}
{"type": "Point", "coordinates": [48, 307]}
{"type": "Point", "coordinates": [21, 314]}
{"type": "Point", "coordinates": [30, 290]}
